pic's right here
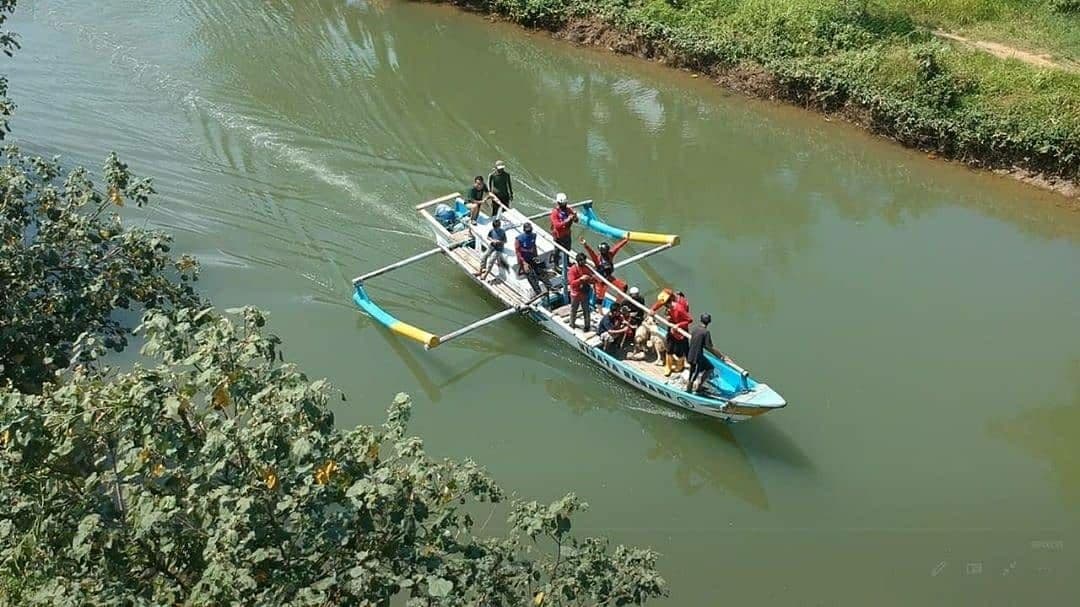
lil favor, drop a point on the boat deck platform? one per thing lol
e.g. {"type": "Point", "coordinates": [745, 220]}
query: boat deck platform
{"type": "Point", "coordinates": [470, 260]}
{"type": "Point", "coordinates": [646, 366]}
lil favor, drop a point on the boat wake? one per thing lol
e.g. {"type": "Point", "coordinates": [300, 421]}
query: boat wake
{"type": "Point", "coordinates": [158, 80]}
{"type": "Point", "coordinates": [659, 411]}
{"type": "Point", "coordinates": [300, 158]}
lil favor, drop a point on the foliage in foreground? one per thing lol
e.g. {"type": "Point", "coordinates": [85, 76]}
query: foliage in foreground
{"type": "Point", "coordinates": [217, 476]}
{"type": "Point", "coordinates": [8, 44]}
{"type": "Point", "coordinates": [67, 265]}
{"type": "Point", "coordinates": [867, 56]}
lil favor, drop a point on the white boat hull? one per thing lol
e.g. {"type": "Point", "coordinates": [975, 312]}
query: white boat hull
{"type": "Point", "coordinates": [758, 400]}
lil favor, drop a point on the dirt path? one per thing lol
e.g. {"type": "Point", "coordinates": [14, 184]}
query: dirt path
{"type": "Point", "coordinates": [1007, 52]}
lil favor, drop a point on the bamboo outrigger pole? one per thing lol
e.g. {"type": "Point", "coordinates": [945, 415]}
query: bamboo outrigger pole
{"type": "Point", "coordinates": [490, 319]}
{"type": "Point", "coordinates": [435, 201]}
{"type": "Point", "coordinates": [478, 324]}
{"type": "Point", "coordinates": [642, 255]}
{"type": "Point", "coordinates": [404, 262]}
{"type": "Point", "coordinates": [397, 264]}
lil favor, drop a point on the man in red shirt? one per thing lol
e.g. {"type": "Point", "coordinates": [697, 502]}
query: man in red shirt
{"type": "Point", "coordinates": [562, 217]}
{"type": "Point", "coordinates": [600, 289]}
{"type": "Point", "coordinates": [607, 253]}
{"type": "Point", "coordinates": [678, 314]}
{"type": "Point", "coordinates": [579, 278]}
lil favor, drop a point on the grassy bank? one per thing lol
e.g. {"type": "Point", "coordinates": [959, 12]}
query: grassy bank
{"type": "Point", "coordinates": [878, 62]}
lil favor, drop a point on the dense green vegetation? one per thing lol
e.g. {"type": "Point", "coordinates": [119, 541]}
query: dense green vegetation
{"type": "Point", "coordinates": [1039, 26]}
{"type": "Point", "coordinates": [211, 472]}
{"type": "Point", "coordinates": [876, 60]}
{"type": "Point", "coordinates": [216, 476]}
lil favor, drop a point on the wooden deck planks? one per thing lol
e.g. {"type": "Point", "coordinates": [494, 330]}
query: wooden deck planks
{"type": "Point", "coordinates": [468, 259]}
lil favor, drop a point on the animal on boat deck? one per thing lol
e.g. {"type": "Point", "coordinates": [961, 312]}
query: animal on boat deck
{"type": "Point", "coordinates": [647, 337]}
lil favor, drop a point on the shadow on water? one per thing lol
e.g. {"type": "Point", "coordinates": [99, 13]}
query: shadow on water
{"type": "Point", "coordinates": [767, 441]}
{"type": "Point", "coordinates": [433, 374]}
{"type": "Point", "coordinates": [704, 452]}
{"type": "Point", "coordinates": [1049, 433]}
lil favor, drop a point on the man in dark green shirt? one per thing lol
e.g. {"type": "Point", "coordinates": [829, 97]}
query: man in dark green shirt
{"type": "Point", "coordinates": [501, 187]}
{"type": "Point", "coordinates": [478, 193]}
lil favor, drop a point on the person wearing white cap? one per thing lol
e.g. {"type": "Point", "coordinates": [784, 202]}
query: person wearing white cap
{"type": "Point", "coordinates": [501, 186]}
{"type": "Point", "coordinates": [636, 318]}
{"type": "Point", "coordinates": [562, 217]}
{"type": "Point", "coordinates": [635, 313]}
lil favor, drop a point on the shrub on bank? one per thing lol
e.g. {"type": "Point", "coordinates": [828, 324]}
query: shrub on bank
{"type": "Point", "coordinates": [542, 14]}
{"type": "Point", "coordinates": [869, 57]}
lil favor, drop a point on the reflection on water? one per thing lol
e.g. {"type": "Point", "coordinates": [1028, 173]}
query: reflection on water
{"type": "Point", "coordinates": [1048, 432]}
{"type": "Point", "coordinates": [705, 455]}
{"type": "Point", "coordinates": [704, 452]}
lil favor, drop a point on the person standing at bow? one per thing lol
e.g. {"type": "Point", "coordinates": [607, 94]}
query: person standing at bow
{"type": "Point", "coordinates": [562, 218]}
{"type": "Point", "coordinates": [502, 187]}
{"type": "Point", "coordinates": [678, 314]}
{"type": "Point", "coordinates": [700, 343]}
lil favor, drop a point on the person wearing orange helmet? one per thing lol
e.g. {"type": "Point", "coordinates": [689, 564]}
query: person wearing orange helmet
{"type": "Point", "coordinates": [678, 314]}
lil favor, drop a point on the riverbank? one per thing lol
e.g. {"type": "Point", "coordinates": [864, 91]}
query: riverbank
{"type": "Point", "coordinates": [875, 64]}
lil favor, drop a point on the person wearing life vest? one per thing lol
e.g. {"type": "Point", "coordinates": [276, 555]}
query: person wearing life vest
{"type": "Point", "coordinates": [580, 278]}
{"type": "Point", "coordinates": [678, 314]}
{"type": "Point", "coordinates": [562, 218]}
{"type": "Point", "coordinates": [529, 262]}
{"type": "Point", "coordinates": [607, 252]}
{"type": "Point", "coordinates": [602, 297]}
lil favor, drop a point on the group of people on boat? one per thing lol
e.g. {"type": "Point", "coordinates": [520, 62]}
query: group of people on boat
{"type": "Point", "coordinates": [499, 190]}
{"type": "Point", "coordinates": [622, 322]}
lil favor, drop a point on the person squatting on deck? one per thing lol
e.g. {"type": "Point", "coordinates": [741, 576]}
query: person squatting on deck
{"type": "Point", "coordinates": [678, 314]}
{"type": "Point", "coordinates": [562, 218]}
{"type": "Point", "coordinates": [614, 329]}
{"type": "Point", "coordinates": [700, 343]}
{"type": "Point", "coordinates": [579, 278]}
{"type": "Point", "coordinates": [494, 254]}
{"type": "Point", "coordinates": [501, 187]}
{"type": "Point", "coordinates": [529, 262]}
{"type": "Point", "coordinates": [478, 195]}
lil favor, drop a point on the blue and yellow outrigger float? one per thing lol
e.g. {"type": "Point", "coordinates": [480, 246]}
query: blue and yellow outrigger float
{"type": "Point", "coordinates": [730, 393]}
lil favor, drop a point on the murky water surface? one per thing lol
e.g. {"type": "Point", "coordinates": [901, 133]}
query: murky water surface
{"type": "Point", "coordinates": [922, 320]}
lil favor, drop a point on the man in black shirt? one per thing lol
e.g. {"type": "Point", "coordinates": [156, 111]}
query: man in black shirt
{"type": "Point", "coordinates": [700, 343]}
{"type": "Point", "coordinates": [501, 187]}
{"type": "Point", "coordinates": [478, 193]}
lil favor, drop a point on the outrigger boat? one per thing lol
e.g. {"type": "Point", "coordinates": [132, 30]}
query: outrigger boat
{"type": "Point", "coordinates": [730, 394]}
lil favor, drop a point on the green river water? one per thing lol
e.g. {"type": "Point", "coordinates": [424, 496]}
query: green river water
{"type": "Point", "coordinates": [922, 320]}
